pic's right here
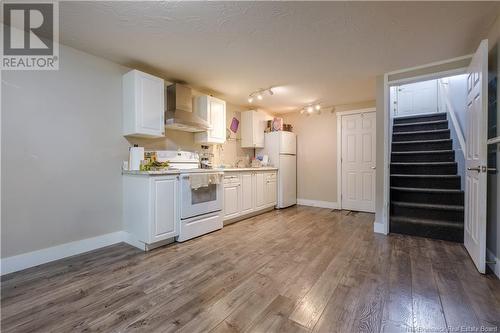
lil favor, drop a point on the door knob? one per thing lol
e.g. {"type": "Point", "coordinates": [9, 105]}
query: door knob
{"type": "Point", "coordinates": [373, 168]}
{"type": "Point", "coordinates": [477, 169]}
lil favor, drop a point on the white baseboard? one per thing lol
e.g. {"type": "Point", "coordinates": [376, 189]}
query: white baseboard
{"type": "Point", "coordinates": [35, 258]}
{"type": "Point", "coordinates": [318, 203]}
{"type": "Point", "coordinates": [130, 240]}
{"type": "Point", "coordinates": [379, 228]}
{"type": "Point", "coordinates": [490, 256]}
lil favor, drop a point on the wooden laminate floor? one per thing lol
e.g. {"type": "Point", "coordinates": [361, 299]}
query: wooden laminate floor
{"type": "Point", "coordinates": [302, 269]}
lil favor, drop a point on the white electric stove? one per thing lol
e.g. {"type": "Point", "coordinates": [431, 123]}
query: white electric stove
{"type": "Point", "coordinates": [201, 208]}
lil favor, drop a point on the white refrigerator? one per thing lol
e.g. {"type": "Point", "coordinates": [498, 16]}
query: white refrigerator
{"type": "Point", "coordinates": [281, 147]}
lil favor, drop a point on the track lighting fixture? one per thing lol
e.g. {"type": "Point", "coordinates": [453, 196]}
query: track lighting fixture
{"type": "Point", "coordinates": [259, 94]}
{"type": "Point", "coordinates": [310, 109]}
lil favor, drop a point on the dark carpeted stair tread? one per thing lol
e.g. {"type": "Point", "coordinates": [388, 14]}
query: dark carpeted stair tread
{"type": "Point", "coordinates": [424, 176]}
{"type": "Point", "coordinates": [426, 222]}
{"type": "Point", "coordinates": [420, 117]}
{"type": "Point", "coordinates": [420, 141]}
{"type": "Point", "coordinates": [441, 155]}
{"type": "Point", "coordinates": [444, 130]}
{"type": "Point", "coordinates": [421, 135]}
{"type": "Point", "coordinates": [427, 195]}
{"type": "Point", "coordinates": [428, 206]}
{"type": "Point", "coordinates": [432, 122]}
{"type": "Point", "coordinates": [420, 145]}
{"type": "Point", "coordinates": [424, 168]}
{"type": "Point", "coordinates": [423, 163]}
{"type": "Point", "coordinates": [436, 229]}
{"type": "Point", "coordinates": [420, 126]}
{"type": "Point", "coordinates": [422, 152]}
{"type": "Point", "coordinates": [426, 181]}
{"type": "Point", "coordinates": [424, 190]}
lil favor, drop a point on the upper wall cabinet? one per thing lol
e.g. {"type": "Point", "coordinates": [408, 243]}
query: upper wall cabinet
{"type": "Point", "coordinates": [253, 125]}
{"type": "Point", "coordinates": [213, 111]}
{"type": "Point", "coordinates": [143, 105]}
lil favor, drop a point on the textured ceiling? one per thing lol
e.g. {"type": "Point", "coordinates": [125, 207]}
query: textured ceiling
{"type": "Point", "coordinates": [313, 51]}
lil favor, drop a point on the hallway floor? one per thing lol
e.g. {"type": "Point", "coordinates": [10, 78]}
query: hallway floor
{"type": "Point", "coordinates": [295, 270]}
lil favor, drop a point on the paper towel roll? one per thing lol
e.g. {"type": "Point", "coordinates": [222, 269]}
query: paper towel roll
{"type": "Point", "coordinates": [136, 155]}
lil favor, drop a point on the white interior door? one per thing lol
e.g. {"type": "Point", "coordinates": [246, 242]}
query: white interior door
{"type": "Point", "coordinates": [415, 98]}
{"type": "Point", "coordinates": [358, 161]}
{"type": "Point", "coordinates": [476, 157]}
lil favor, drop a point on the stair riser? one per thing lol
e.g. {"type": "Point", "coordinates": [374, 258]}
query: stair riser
{"type": "Point", "coordinates": [420, 136]}
{"type": "Point", "coordinates": [436, 232]}
{"type": "Point", "coordinates": [420, 119]}
{"type": "Point", "coordinates": [420, 127]}
{"type": "Point", "coordinates": [425, 169]}
{"type": "Point", "coordinates": [444, 183]}
{"type": "Point", "coordinates": [422, 157]}
{"type": "Point", "coordinates": [456, 216]}
{"type": "Point", "coordinates": [428, 197]}
{"type": "Point", "coordinates": [439, 145]}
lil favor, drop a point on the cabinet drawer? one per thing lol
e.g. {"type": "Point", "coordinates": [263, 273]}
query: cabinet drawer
{"type": "Point", "coordinates": [231, 179]}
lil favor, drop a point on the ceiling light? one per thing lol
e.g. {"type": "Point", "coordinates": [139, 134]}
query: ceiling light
{"type": "Point", "coordinates": [259, 94]}
{"type": "Point", "coordinates": [317, 107]}
{"type": "Point", "coordinates": [309, 109]}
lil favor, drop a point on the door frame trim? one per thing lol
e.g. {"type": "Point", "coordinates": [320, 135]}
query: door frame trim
{"type": "Point", "coordinates": [381, 224]}
{"type": "Point", "coordinates": [339, 115]}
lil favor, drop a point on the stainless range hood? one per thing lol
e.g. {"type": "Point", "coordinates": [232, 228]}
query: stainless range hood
{"type": "Point", "coordinates": [179, 115]}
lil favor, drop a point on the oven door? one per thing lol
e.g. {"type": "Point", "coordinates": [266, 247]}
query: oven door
{"type": "Point", "coordinates": [200, 201]}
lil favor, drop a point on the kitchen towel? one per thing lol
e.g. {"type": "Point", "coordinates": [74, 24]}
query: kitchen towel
{"type": "Point", "coordinates": [203, 180]}
{"type": "Point", "coordinates": [198, 181]}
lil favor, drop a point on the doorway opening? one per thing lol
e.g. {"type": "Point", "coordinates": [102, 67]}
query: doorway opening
{"type": "Point", "coordinates": [427, 158]}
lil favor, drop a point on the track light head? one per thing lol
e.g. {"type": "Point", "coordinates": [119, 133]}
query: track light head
{"type": "Point", "coordinates": [250, 99]}
{"type": "Point", "coordinates": [259, 96]}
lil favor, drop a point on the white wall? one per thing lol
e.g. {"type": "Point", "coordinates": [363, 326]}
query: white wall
{"type": "Point", "coordinates": [457, 89]}
{"type": "Point", "coordinates": [62, 152]}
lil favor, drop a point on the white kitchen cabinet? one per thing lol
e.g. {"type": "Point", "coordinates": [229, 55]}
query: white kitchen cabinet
{"type": "Point", "coordinates": [253, 125]}
{"type": "Point", "coordinates": [165, 216]}
{"type": "Point", "coordinates": [143, 105]}
{"type": "Point", "coordinates": [232, 196]}
{"type": "Point", "coordinates": [150, 209]}
{"type": "Point", "coordinates": [270, 189]}
{"type": "Point", "coordinates": [260, 190]}
{"type": "Point", "coordinates": [212, 110]}
{"type": "Point", "coordinates": [247, 192]}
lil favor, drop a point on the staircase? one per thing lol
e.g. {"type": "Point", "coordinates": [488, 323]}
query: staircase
{"type": "Point", "coordinates": [426, 199]}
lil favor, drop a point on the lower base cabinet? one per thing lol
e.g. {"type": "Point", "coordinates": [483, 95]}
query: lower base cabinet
{"type": "Point", "coordinates": [150, 208]}
{"type": "Point", "coordinates": [247, 192]}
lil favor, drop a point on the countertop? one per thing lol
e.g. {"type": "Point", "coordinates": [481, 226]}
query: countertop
{"type": "Point", "coordinates": [176, 171]}
{"type": "Point", "coordinates": [250, 169]}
